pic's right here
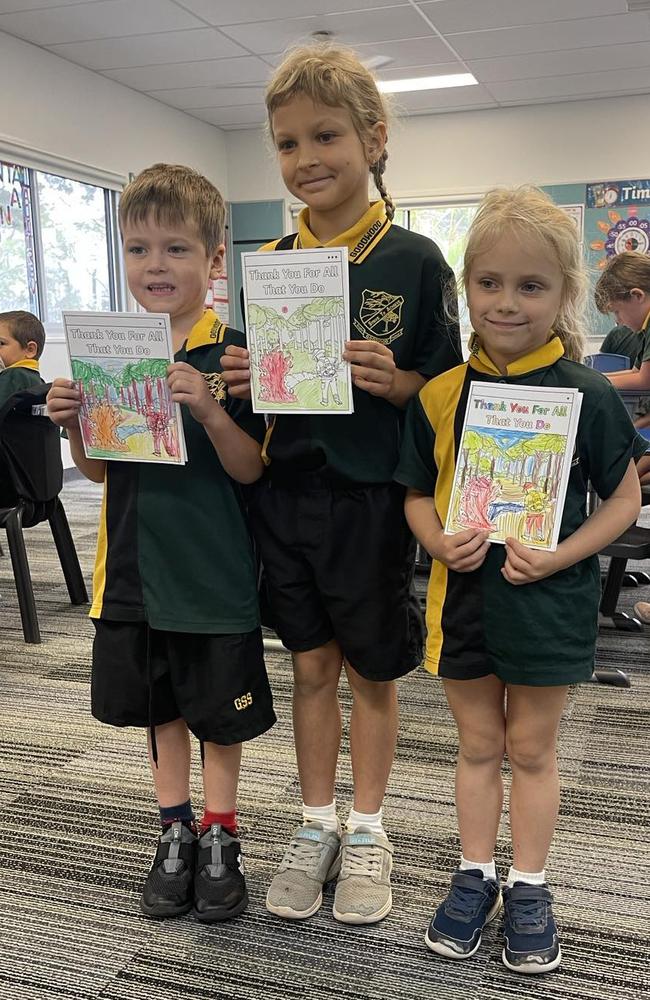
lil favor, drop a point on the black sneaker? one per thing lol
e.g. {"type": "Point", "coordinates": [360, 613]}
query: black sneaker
{"type": "Point", "coordinates": [531, 942]}
{"type": "Point", "coordinates": [168, 889]}
{"type": "Point", "coordinates": [458, 923]}
{"type": "Point", "coordinates": [219, 885]}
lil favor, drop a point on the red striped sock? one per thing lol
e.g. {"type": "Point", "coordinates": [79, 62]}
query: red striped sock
{"type": "Point", "coordinates": [227, 820]}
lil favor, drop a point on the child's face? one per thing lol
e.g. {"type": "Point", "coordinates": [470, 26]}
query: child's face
{"type": "Point", "coordinates": [168, 268]}
{"type": "Point", "coordinates": [514, 296]}
{"type": "Point", "coordinates": [322, 159]}
{"type": "Point", "coordinates": [631, 311]}
{"type": "Point", "coordinates": [11, 350]}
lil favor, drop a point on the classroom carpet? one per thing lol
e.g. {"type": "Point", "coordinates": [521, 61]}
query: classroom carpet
{"type": "Point", "coordinates": [78, 825]}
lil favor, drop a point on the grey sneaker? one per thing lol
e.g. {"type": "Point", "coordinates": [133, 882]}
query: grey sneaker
{"type": "Point", "coordinates": [363, 894]}
{"type": "Point", "coordinates": [312, 858]}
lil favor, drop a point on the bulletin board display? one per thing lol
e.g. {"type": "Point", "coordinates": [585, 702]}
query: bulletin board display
{"type": "Point", "coordinates": [616, 218]}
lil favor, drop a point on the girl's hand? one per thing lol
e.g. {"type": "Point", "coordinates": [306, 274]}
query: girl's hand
{"type": "Point", "coordinates": [373, 366]}
{"type": "Point", "coordinates": [188, 386]}
{"type": "Point", "coordinates": [236, 371]}
{"type": "Point", "coordinates": [524, 565]}
{"type": "Point", "coordinates": [64, 403]}
{"type": "Point", "coordinates": [463, 552]}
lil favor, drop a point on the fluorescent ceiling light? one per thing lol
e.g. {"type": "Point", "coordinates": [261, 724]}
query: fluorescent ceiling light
{"type": "Point", "coordinates": [428, 83]}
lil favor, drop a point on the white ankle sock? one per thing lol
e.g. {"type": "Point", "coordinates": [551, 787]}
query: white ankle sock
{"type": "Point", "coordinates": [372, 821]}
{"type": "Point", "coordinates": [487, 867]}
{"type": "Point", "coordinates": [530, 878]}
{"type": "Point", "coordinates": [325, 815]}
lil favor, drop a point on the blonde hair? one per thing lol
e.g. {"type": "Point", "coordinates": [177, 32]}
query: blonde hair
{"type": "Point", "coordinates": [622, 273]}
{"type": "Point", "coordinates": [334, 76]}
{"type": "Point", "coordinates": [528, 212]}
{"type": "Point", "coordinates": [175, 194]}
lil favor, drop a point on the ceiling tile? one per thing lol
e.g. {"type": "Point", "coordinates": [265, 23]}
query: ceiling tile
{"type": "Point", "coordinates": [246, 11]}
{"type": "Point", "coordinates": [564, 63]}
{"type": "Point", "coordinates": [407, 52]}
{"type": "Point", "coordinates": [210, 97]}
{"type": "Point", "coordinates": [168, 47]}
{"type": "Point", "coordinates": [552, 37]}
{"type": "Point", "coordinates": [12, 6]}
{"type": "Point", "coordinates": [475, 15]}
{"type": "Point", "coordinates": [606, 83]}
{"type": "Point", "coordinates": [248, 116]}
{"type": "Point", "coordinates": [209, 72]}
{"type": "Point", "coordinates": [381, 25]}
{"type": "Point", "coordinates": [102, 19]}
{"type": "Point", "coordinates": [439, 69]}
{"type": "Point", "coordinates": [454, 99]}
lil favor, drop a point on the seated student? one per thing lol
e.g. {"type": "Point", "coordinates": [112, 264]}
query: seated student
{"type": "Point", "coordinates": [622, 340]}
{"type": "Point", "coordinates": [22, 339]}
{"type": "Point", "coordinates": [624, 289]}
{"type": "Point", "coordinates": [178, 646]}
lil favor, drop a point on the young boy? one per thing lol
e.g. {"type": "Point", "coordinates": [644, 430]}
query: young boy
{"type": "Point", "coordinates": [22, 339]}
{"type": "Point", "coordinates": [178, 646]}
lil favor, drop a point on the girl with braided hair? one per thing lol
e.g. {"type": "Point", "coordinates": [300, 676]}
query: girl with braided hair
{"type": "Point", "coordinates": [328, 519]}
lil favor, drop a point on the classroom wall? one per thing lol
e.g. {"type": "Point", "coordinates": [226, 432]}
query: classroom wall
{"type": "Point", "coordinates": [467, 152]}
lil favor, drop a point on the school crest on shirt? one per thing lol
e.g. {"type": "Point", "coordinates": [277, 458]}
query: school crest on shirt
{"type": "Point", "coordinates": [380, 316]}
{"type": "Point", "coordinates": [216, 385]}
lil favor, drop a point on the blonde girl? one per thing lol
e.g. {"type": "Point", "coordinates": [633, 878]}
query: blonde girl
{"type": "Point", "coordinates": [510, 627]}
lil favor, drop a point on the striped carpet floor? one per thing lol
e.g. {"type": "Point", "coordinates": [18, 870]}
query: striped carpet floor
{"type": "Point", "coordinates": [78, 824]}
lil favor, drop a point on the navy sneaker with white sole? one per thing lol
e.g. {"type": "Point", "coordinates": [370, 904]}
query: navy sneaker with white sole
{"type": "Point", "coordinates": [456, 928]}
{"type": "Point", "coordinates": [531, 943]}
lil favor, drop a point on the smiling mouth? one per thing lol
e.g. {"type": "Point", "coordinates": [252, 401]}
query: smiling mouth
{"type": "Point", "coordinates": [505, 325]}
{"type": "Point", "coordinates": [314, 180]}
{"type": "Point", "coordinates": [161, 289]}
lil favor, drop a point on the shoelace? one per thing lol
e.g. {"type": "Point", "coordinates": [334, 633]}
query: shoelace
{"type": "Point", "coordinates": [463, 903]}
{"type": "Point", "coordinates": [527, 914]}
{"type": "Point", "coordinates": [361, 861]}
{"type": "Point", "coordinates": [302, 855]}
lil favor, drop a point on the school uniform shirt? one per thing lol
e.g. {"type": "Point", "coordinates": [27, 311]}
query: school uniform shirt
{"type": "Point", "coordinates": [397, 282]}
{"type": "Point", "coordinates": [643, 343]}
{"type": "Point", "coordinates": [173, 547]}
{"type": "Point", "coordinates": [22, 374]}
{"type": "Point", "coordinates": [539, 633]}
{"type": "Point", "coordinates": [622, 340]}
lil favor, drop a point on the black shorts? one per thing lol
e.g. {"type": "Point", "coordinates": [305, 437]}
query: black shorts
{"type": "Point", "coordinates": [338, 564]}
{"type": "Point", "coordinates": [216, 683]}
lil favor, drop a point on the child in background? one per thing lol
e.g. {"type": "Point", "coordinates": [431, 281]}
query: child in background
{"type": "Point", "coordinates": [499, 632]}
{"type": "Point", "coordinates": [329, 521]}
{"type": "Point", "coordinates": [22, 339]}
{"type": "Point", "coordinates": [624, 289]}
{"type": "Point", "coordinates": [178, 647]}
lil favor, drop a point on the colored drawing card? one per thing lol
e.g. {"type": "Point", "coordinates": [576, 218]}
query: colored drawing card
{"type": "Point", "coordinates": [513, 463]}
{"type": "Point", "coordinates": [297, 322]}
{"type": "Point", "coordinates": [119, 361]}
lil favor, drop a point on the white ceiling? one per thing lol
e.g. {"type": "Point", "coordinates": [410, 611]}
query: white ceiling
{"type": "Point", "coordinates": [211, 58]}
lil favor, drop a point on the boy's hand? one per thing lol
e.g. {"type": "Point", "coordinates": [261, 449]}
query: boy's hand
{"type": "Point", "coordinates": [524, 565]}
{"type": "Point", "coordinates": [236, 371]}
{"type": "Point", "coordinates": [463, 552]}
{"type": "Point", "coordinates": [373, 366]}
{"type": "Point", "coordinates": [64, 403]}
{"type": "Point", "coordinates": [188, 386]}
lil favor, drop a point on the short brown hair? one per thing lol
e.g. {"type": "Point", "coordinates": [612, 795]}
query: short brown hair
{"type": "Point", "coordinates": [622, 273]}
{"type": "Point", "coordinates": [25, 327]}
{"type": "Point", "coordinates": [335, 76]}
{"type": "Point", "coordinates": [176, 194]}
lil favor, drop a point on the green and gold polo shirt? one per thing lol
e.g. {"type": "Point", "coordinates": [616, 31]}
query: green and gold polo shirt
{"type": "Point", "coordinates": [173, 547]}
{"type": "Point", "coordinates": [397, 283]}
{"type": "Point", "coordinates": [643, 353]}
{"type": "Point", "coordinates": [622, 340]}
{"type": "Point", "coordinates": [539, 633]}
{"type": "Point", "coordinates": [21, 375]}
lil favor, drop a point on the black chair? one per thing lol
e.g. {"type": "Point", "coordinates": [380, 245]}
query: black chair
{"type": "Point", "coordinates": [31, 478]}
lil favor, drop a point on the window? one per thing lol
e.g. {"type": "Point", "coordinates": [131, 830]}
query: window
{"type": "Point", "coordinates": [56, 244]}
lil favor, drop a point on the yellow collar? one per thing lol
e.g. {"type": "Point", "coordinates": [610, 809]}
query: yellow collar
{"type": "Point", "coordinates": [645, 323]}
{"type": "Point", "coordinates": [30, 363]}
{"type": "Point", "coordinates": [360, 240]}
{"type": "Point", "coordinates": [208, 330]}
{"type": "Point", "coordinates": [541, 357]}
